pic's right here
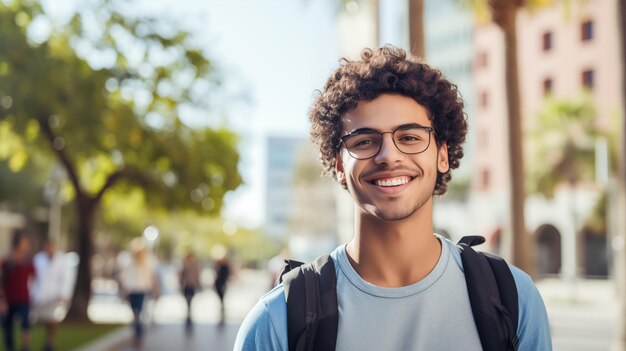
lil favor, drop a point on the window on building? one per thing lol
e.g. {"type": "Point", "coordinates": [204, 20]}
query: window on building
{"type": "Point", "coordinates": [586, 31]}
{"type": "Point", "coordinates": [484, 99]}
{"type": "Point", "coordinates": [588, 79]}
{"type": "Point", "coordinates": [483, 139]}
{"type": "Point", "coordinates": [547, 86]}
{"type": "Point", "coordinates": [547, 41]}
{"type": "Point", "coordinates": [485, 179]}
{"type": "Point", "coordinates": [482, 59]}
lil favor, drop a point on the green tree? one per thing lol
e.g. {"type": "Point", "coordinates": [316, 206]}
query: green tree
{"type": "Point", "coordinates": [105, 95]}
{"type": "Point", "coordinates": [562, 146]}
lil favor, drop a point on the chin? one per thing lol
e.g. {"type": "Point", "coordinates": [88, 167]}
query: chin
{"type": "Point", "coordinates": [390, 215]}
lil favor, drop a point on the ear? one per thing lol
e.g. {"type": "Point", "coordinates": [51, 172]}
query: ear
{"type": "Point", "coordinates": [442, 158]}
{"type": "Point", "coordinates": [340, 174]}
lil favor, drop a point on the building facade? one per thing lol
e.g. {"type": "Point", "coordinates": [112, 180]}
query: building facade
{"type": "Point", "coordinates": [565, 52]}
{"type": "Point", "coordinates": [300, 204]}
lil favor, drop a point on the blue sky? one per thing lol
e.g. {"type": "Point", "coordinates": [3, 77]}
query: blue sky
{"type": "Point", "coordinates": [277, 52]}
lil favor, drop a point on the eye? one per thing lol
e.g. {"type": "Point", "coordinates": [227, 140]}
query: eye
{"type": "Point", "coordinates": [407, 138]}
{"type": "Point", "coordinates": [362, 141]}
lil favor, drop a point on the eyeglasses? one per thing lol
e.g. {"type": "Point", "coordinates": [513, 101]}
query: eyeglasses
{"type": "Point", "coordinates": [365, 143]}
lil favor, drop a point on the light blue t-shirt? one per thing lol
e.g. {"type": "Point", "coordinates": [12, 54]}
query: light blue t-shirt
{"type": "Point", "coordinates": [432, 314]}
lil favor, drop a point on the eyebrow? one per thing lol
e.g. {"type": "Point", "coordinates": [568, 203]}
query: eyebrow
{"type": "Point", "coordinates": [366, 130]}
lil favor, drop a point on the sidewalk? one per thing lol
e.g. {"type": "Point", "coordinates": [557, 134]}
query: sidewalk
{"type": "Point", "coordinates": [584, 316]}
{"type": "Point", "coordinates": [170, 337]}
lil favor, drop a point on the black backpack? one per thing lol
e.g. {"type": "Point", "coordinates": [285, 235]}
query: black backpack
{"type": "Point", "coordinates": [312, 312]}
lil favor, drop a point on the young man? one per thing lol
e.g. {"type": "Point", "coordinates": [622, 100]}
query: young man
{"type": "Point", "coordinates": [50, 294]}
{"type": "Point", "coordinates": [16, 274]}
{"type": "Point", "coordinates": [389, 130]}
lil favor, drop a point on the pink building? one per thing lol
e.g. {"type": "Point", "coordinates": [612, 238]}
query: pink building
{"type": "Point", "coordinates": [563, 51]}
{"type": "Point", "coordinates": [566, 50]}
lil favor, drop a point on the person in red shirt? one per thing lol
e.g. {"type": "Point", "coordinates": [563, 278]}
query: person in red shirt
{"type": "Point", "coordinates": [16, 271]}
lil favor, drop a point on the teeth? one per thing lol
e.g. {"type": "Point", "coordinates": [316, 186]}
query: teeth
{"type": "Point", "coordinates": [392, 182]}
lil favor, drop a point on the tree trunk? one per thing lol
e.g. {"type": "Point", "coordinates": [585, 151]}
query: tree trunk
{"type": "Point", "coordinates": [376, 15]}
{"type": "Point", "coordinates": [620, 255]}
{"type": "Point", "coordinates": [416, 28]}
{"type": "Point", "coordinates": [522, 253]}
{"type": "Point", "coordinates": [86, 208]}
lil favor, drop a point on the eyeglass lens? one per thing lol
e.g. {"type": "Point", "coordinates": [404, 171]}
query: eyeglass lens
{"type": "Point", "coordinates": [409, 141]}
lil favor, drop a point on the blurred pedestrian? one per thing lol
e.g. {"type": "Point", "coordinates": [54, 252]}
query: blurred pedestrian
{"type": "Point", "coordinates": [138, 279]}
{"type": "Point", "coordinates": [222, 273]}
{"type": "Point", "coordinates": [50, 293]}
{"type": "Point", "coordinates": [17, 272]}
{"type": "Point", "coordinates": [275, 267]}
{"type": "Point", "coordinates": [189, 284]}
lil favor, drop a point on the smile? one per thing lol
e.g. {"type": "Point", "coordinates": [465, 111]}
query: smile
{"type": "Point", "coordinates": [391, 182]}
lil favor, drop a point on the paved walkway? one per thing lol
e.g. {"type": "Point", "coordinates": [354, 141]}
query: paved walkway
{"type": "Point", "coordinates": [164, 329]}
{"type": "Point", "coordinates": [582, 319]}
{"type": "Point", "coordinates": [173, 337]}
{"type": "Point", "coordinates": [583, 316]}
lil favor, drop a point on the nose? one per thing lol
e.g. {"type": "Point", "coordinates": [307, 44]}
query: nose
{"type": "Point", "coordinates": [388, 153]}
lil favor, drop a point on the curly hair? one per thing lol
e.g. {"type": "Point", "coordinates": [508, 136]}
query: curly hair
{"type": "Point", "coordinates": [388, 70]}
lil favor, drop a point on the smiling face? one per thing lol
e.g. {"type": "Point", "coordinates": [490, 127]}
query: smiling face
{"type": "Point", "coordinates": [391, 185]}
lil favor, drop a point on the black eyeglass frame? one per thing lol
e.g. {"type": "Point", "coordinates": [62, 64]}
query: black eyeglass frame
{"type": "Point", "coordinates": [343, 139]}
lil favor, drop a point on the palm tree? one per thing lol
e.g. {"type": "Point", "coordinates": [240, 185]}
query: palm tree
{"type": "Point", "coordinates": [564, 141]}
{"type": "Point", "coordinates": [563, 152]}
{"type": "Point", "coordinates": [621, 256]}
{"type": "Point", "coordinates": [416, 23]}
{"type": "Point", "coordinates": [416, 28]}
{"type": "Point", "coordinates": [503, 13]}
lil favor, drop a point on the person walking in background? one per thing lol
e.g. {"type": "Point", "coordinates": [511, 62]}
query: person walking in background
{"type": "Point", "coordinates": [189, 284]}
{"type": "Point", "coordinates": [222, 273]}
{"type": "Point", "coordinates": [138, 278]}
{"type": "Point", "coordinates": [50, 293]}
{"type": "Point", "coordinates": [16, 273]}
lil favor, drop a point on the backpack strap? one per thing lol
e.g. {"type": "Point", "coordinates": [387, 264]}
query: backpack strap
{"type": "Point", "coordinates": [493, 296]}
{"type": "Point", "coordinates": [311, 294]}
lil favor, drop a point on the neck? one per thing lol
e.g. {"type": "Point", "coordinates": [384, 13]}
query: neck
{"type": "Point", "coordinates": [394, 253]}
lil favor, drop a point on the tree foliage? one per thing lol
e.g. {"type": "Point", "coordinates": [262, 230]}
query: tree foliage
{"type": "Point", "coordinates": [121, 122]}
{"type": "Point", "coordinates": [562, 145]}
{"type": "Point", "coordinates": [107, 95]}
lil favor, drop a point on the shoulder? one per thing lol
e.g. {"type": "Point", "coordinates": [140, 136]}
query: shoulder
{"type": "Point", "coordinates": [265, 326]}
{"type": "Point", "coordinates": [529, 297]}
{"type": "Point", "coordinates": [533, 327]}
